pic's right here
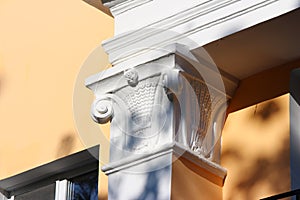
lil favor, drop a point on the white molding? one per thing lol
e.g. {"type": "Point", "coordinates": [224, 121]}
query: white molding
{"type": "Point", "coordinates": [136, 159]}
{"type": "Point", "coordinates": [113, 3]}
{"type": "Point", "coordinates": [61, 190]}
{"type": "Point", "coordinates": [175, 148]}
{"type": "Point", "coordinates": [200, 161]}
{"type": "Point", "coordinates": [203, 23]}
{"type": "Point", "coordinates": [169, 23]}
{"type": "Point", "coordinates": [2, 197]}
{"type": "Point", "coordinates": [120, 6]}
{"type": "Point", "coordinates": [151, 55]}
{"type": "Point", "coordinates": [147, 56]}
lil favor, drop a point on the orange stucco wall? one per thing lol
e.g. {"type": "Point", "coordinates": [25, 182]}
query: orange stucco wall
{"type": "Point", "coordinates": [255, 140]}
{"type": "Point", "coordinates": [255, 150]}
{"type": "Point", "coordinates": [189, 181]}
{"type": "Point", "coordinates": [42, 47]}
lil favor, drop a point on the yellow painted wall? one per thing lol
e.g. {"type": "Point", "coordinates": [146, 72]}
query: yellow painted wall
{"type": "Point", "coordinates": [255, 140]}
{"type": "Point", "coordinates": [42, 47]}
{"type": "Point", "coordinates": [255, 150]}
{"type": "Point", "coordinates": [191, 182]}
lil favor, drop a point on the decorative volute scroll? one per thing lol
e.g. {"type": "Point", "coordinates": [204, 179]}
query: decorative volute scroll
{"type": "Point", "coordinates": [102, 110]}
{"type": "Point", "coordinates": [159, 102]}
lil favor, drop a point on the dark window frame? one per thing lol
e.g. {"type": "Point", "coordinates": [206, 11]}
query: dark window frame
{"type": "Point", "coordinates": [64, 168]}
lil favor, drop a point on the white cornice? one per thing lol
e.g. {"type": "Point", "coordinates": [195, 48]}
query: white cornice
{"type": "Point", "coordinates": [164, 24]}
{"type": "Point", "coordinates": [204, 23]}
{"type": "Point", "coordinates": [120, 6]}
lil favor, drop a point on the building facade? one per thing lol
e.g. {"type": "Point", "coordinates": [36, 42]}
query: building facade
{"type": "Point", "coordinates": [235, 53]}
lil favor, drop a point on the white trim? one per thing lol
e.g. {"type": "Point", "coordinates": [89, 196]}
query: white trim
{"type": "Point", "coordinates": [2, 197]}
{"type": "Point", "coordinates": [61, 190]}
{"type": "Point", "coordinates": [136, 159]}
{"type": "Point", "coordinates": [70, 190]}
{"type": "Point", "coordinates": [153, 55]}
{"type": "Point", "coordinates": [174, 147]}
{"type": "Point", "coordinates": [120, 6]}
{"type": "Point", "coordinates": [165, 24]}
{"type": "Point", "coordinates": [203, 23]}
{"type": "Point", "coordinates": [200, 161]}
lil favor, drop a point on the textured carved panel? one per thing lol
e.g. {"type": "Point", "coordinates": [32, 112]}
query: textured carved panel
{"type": "Point", "coordinates": [208, 100]}
{"type": "Point", "coordinates": [139, 100]}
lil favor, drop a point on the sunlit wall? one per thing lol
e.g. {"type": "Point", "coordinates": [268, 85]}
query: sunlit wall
{"type": "Point", "coordinates": [42, 47]}
{"type": "Point", "coordinates": [256, 150]}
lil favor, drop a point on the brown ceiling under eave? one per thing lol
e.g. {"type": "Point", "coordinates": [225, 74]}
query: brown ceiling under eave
{"type": "Point", "coordinates": [258, 48]}
{"type": "Point", "coordinates": [98, 4]}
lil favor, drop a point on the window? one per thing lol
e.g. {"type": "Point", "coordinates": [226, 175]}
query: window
{"type": "Point", "coordinates": [74, 177]}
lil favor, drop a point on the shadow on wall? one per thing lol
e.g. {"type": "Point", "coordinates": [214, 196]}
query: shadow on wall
{"type": "Point", "coordinates": [262, 173]}
{"type": "Point", "coordinates": [269, 172]}
{"type": "Point", "coordinates": [103, 197]}
{"type": "Point", "coordinates": [1, 81]}
{"type": "Point", "coordinates": [66, 145]}
{"type": "Point", "coordinates": [267, 111]}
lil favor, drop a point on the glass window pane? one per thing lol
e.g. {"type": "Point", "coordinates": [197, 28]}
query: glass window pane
{"type": "Point", "coordinates": [85, 187]}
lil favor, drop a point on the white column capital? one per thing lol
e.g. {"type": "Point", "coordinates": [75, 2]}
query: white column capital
{"type": "Point", "coordinates": [159, 97]}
